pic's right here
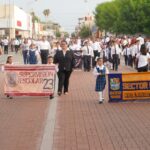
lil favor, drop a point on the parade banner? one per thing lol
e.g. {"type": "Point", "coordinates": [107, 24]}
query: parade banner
{"type": "Point", "coordinates": [129, 86]}
{"type": "Point", "coordinates": [78, 59]}
{"type": "Point", "coordinates": [30, 80]}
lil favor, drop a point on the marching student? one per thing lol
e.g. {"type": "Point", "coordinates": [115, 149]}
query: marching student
{"type": "Point", "coordinates": [33, 54]}
{"type": "Point", "coordinates": [100, 71]}
{"type": "Point", "coordinates": [143, 59]}
{"type": "Point", "coordinates": [87, 52]}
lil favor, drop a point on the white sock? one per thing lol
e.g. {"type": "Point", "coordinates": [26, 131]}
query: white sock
{"type": "Point", "coordinates": [100, 96]}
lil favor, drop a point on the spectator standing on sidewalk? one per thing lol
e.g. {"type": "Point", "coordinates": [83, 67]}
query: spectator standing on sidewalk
{"type": "Point", "coordinates": [5, 43]}
{"type": "Point", "coordinates": [66, 61]}
{"type": "Point", "coordinates": [44, 48]}
{"type": "Point", "coordinates": [100, 72]}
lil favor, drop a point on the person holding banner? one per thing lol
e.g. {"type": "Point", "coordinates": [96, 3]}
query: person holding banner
{"type": "Point", "coordinates": [100, 72]}
{"type": "Point", "coordinates": [9, 61]}
{"type": "Point", "coordinates": [66, 61]}
{"type": "Point", "coordinates": [50, 62]}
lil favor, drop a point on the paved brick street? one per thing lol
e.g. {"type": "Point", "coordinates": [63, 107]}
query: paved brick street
{"type": "Point", "coordinates": [80, 122]}
{"type": "Point", "coordinates": [83, 124]}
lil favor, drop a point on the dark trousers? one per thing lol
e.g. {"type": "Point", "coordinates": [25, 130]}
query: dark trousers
{"type": "Point", "coordinates": [25, 56]}
{"type": "Point", "coordinates": [16, 48]}
{"type": "Point", "coordinates": [63, 77]}
{"type": "Point", "coordinates": [44, 55]}
{"type": "Point", "coordinates": [143, 69]}
{"type": "Point", "coordinates": [87, 63]}
{"type": "Point", "coordinates": [5, 49]}
{"type": "Point", "coordinates": [115, 62]}
{"type": "Point", "coordinates": [96, 54]}
{"type": "Point", "coordinates": [126, 59]}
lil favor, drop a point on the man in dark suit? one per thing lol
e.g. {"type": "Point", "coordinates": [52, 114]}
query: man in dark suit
{"type": "Point", "coordinates": [66, 61]}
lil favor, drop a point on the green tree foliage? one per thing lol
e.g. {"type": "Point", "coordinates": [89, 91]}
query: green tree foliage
{"type": "Point", "coordinates": [124, 16]}
{"type": "Point", "coordinates": [85, 32]}
{"type": "Point", "coordinates": [58, 34]}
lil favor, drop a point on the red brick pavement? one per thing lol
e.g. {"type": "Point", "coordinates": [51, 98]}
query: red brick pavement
{"type": "Point", "coordinates": [22, 121]}
{"type": "Point", "coordinates": [83, 124]}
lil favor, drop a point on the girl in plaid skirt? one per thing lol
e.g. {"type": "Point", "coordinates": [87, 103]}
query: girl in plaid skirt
{"type": "Point", "coordinates": [100, 72]}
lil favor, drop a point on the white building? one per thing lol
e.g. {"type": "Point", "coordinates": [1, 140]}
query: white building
{"type": "Point", "coordinates": [14, 22]}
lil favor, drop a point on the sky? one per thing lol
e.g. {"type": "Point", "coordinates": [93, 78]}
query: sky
{"type": "Point", "coordinates": [64, 12]}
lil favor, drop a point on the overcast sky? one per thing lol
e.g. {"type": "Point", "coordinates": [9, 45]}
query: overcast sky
{"type": "Point", "coordinates": [65, 12]}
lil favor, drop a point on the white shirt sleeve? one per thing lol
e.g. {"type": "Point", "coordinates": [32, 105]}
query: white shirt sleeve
{"type": "Point", "coordinates": [95, 73]}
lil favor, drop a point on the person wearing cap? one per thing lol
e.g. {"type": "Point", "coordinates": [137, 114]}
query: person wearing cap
{"type": "Point", "coordinates": [87, 52]}
{"type": "Point", "coordinates": [100, 71]}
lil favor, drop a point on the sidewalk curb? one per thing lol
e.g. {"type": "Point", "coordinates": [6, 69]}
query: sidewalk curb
{"type": "Point", "coordinates": [47, 141]}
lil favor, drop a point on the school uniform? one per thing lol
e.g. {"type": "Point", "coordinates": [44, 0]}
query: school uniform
{"type": "Point", "coordinates": [5, 42]}
{"type": "Point", "coordinates": [32, 56]}
{"type": "Point", "coordinates": [87, 52]}
{"type": "Point", "coordinates": [45, 49]}
{"type": "Point", "coordinates": [143, 61]}
{"type": "Point", "coordinates": [115, 52]}
{"type": "Point", "coordinates": [25, 51]}
{"type": "Point", "coordinates": [100, 73]}
{"type": "Point", "coordinates": [126, 53]}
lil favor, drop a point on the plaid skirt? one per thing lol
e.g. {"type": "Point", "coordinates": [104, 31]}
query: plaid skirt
{"type": "Point", "coordinates": [100, 83]}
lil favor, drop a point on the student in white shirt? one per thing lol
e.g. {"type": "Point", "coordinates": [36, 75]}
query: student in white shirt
{"type": "Point", "coordinates": [115, 52]}
{"type": "Point", "coordinates": [126, 53]}
{"type": "Point", "coordinates": [143, 59]}
{"type": "Point", "coordinates": [45, 49]}
{"type": "Point", "coordinates": [87, 52]}
{"type": "Point", "coordinates": [100, 71]}
{"type": "Point", "coordinates": [5, 42]}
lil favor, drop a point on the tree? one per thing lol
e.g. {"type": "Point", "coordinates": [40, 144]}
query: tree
{"type": "Point", "coordinates": [58, 34]}
{"type": "Point", "coordinates": [35, 18]}
{"type": "Point", "coordinates": [46, 13]}
{"type": "Point", "coordinates": [124, 16]}
{"type": "Point", "coordinates": [85, 32]}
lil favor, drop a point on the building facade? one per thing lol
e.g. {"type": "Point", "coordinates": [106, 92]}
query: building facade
{"type": "Point", "coordinates": [15, 22]}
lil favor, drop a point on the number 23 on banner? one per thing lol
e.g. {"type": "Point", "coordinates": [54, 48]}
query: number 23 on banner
{"type": "Point", "coordinates": [48, 84]}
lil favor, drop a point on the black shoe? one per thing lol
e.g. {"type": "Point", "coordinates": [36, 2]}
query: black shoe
{"type": "Point", "coordinates": [51, 96]}
{"type": "Point", "coordinates": [10, 97]}
{"type": "Point", "coordinates": [100, 102]}
{"type": "Point", "coordinates": [59, 93]}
